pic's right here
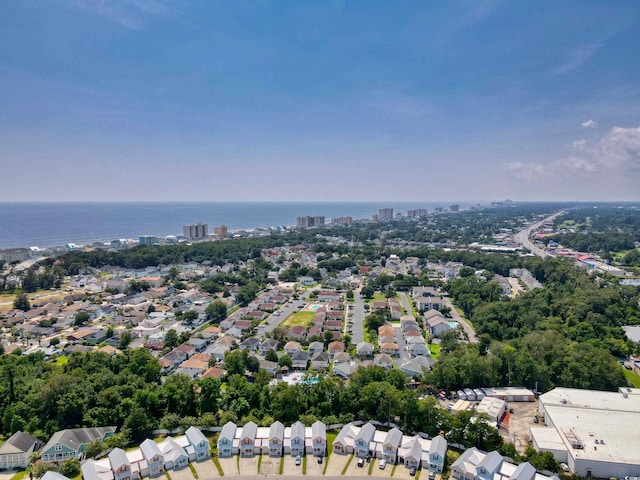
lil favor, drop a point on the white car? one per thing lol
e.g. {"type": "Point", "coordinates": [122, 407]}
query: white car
{"type": "Point", "coordinates": [564, 467]}
{"type": "Point", "coordinates": [383, 463]}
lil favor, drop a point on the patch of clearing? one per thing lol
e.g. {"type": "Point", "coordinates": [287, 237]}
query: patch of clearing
{"type": "Point", "coordinates": [298, 319]}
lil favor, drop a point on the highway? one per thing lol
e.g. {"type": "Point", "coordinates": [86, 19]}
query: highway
{"type": "Point", "coordinates": [522, 237]}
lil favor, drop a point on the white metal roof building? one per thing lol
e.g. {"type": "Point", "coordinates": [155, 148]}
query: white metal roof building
{"type": "Point", "coordinates": [596, 433]}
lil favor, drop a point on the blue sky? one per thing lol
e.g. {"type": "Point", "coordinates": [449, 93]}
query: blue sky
{"type": "Point", "coordinates": [328, 100]}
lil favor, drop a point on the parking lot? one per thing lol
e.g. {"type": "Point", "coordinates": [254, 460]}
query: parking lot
{"type": "Point", "coordinates": [517, 430]}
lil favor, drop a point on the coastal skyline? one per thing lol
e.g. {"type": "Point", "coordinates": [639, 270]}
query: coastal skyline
{"type": "Point", "coordinates": [151, 100]}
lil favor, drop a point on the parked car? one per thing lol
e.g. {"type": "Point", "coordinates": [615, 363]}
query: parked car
{"type": "Point", "coordinates": [432, 474]}
{"type": "Point", "coordinates": [298, 460]}
{"type": "Point", "coordinates": [412, 472]}
{"type": "Point", "coordinates": [320, 460]}
{"type": "Point", "coordinates": [536, 419]}
{"type": "Point", "coordinates": [361, 462]}
{"type": "Point", "coordinates": [383, 463]}
{"type": "Point", "coordinates": [564, 467]}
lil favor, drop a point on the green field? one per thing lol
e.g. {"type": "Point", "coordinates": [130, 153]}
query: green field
{"type": "Point", "coordinates": [633, 377]}
{"type": "Point", "coordinates": [299, 318]}
{"type": "Point", "coordinates": [435, 350]}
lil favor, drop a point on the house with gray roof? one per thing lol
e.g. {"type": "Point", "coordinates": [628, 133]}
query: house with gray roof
{"type": "Point", "coordinates": [297, 439]}
{"type": "Point", "coordinates": [72, 443]}
{"type": "Point", "coordinates": [489, 465]}
{"type": "Point", "coordinates": [175, 457]}
{"type": "Point", "coordinates": [120, 465]}
{"type": "Point", "coordinates": [316, 347]}
{"type": "Point", "coordinates": [392, 442]}
{"type": "Point", "coordinates": [319, 439]}
{"type": "Point", "coordinates": [276, 439]}
{"type": "Point", "coordinates": [15, 452]}
{"type": "Point", "coordinates": [319, 361]}
{"type": "Point", "coordinates": [51, 475]}
{"type": "Point", "coordinates": [299, 360]}
{"type": "Point", "coordinates": [410, 453]}
{"type": "Point", "coordinates": [225, 440]}
{"type": "Point", "coordinates": [362, 441]}
{"type": "Point", "coordinates": [437, 454]}
{"type": "Point", "coordinates": [248, 439]}
{"type": "Point", "coordinates": [154, 457]}
{"type": "Point", "coordinates": [364, 349]}
{"type": "Point", "coordinates": [199, 443]}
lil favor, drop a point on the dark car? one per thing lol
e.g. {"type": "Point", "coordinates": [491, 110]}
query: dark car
{"type": "Point", "coordinates": [361, 462]}
{"type": "Point", "coordinates": [320, 460]}
{"type": "Point", "coordinates": [412, 472]}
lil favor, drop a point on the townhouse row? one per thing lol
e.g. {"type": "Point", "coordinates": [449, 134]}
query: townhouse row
{"type": "Point", "coordinates": [393, 446]}
{"type": "Point", "coordinates": [274, 441]}
{"type": "Point", "coordinates": [151, 459]}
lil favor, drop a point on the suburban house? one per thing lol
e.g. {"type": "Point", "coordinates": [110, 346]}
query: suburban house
{"type": "Point", "coordinates": [120, 465]}
{"type": "Point", "coordinates": [410, 453]}
{"type": "Point", "coordinates": [199, 442]}
{"type": "Point", "coordinates": [437, 453]}
{"type": "Point", "coordinates": [297, 439]}
{"type": "Point", "coordinates": [291, 347]}
{"type": "Point", "coordinates": [335, 347]}
{"type": "Point", "coordinates": [248, 439]}
{"type": "Point", "coordinates": [364, 349]}
{"type": "Point", "coordinates": [276, 439]}
{"type": "Point", "coordinates": [391, 444]}
{"type": "Point", "coordinates": [316, 347]}
{"type": "Point", "coordinates": [319, 361]}
{"type": "Point", "coordinates": [343, 443]}
{"type": "Point", "coordinates": [383, 360]}
{"type": "Point", "coordinates": [319, 438]}
{"type": "Point", "coordinates": [299, 360]}
{"type": "Point", "coordinates": [361, 443]}
{"type": "Point", "coordinates": [175, 457]}
{"type": "Point", "coordinates": [225, 440]}
{"type": "Point", "coordinates": [72, 443]}
{"type": "Point", "coordinates": [15, 452]}
{"type": "Point", "coordinates": [437, 326]}
{"type": "Point", "coordinates": [154, 457]}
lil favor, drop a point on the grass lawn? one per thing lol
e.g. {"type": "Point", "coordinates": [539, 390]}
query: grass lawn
{"type": "Point", "coordinates": [62, 361]}
{"type": "Point", "coordinates": [298, 318]}
{"type": "Point", "coordinates": [19, 475]}
{"type": "Point", "coordinates": [435, 350]}
{"type": "Point", "coordinates": [217, 464]}
{"type": "Point", "coordinates": [633, 377]}
{"type": "Point", "coordinates": [346, 467]}
{"type": "Point", "coordinates": [193, 471]}
{"type": "Point", "coordinates": [379, 297]}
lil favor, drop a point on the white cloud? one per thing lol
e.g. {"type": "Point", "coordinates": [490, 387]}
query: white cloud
{"type": "Point", "coordinates": [589, 124]}
{"type": "Point", "coordinates": [130, 14]}
{"type": "Point", "coordinates": [618, 152]}
{"type": "Point", "coordinates": [576, 57]}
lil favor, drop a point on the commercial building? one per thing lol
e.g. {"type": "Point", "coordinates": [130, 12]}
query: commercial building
{"type": "Point", "coordinates": [308, 221]}
{"type": "Point", "coordinates": [195, 231]}
{"type": "Point", "coordinates": [385, 214]}
{"type": "Point", "coordinates": [418, 212]}
{"type": "Point", "coordinates": [148, 240]}
{"type": "Point", "coordinates": [221, 231]}
{"type": "Point", "coordinates": [595, 433]}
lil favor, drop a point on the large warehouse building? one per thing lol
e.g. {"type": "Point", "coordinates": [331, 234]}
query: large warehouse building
{"type": "Point", "coordinates": [595, 433]}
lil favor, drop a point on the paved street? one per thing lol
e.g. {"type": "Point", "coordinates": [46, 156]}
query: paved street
{"type": "Point", "coordinates": [277, 317]}
{"type": "Point", "coordinates": [358, 318]}
{"type": "Point", "coordinates": [522, 237]}
{"type": "Point", "coordinates": [406, 303]}
{"type": "Point", "coordinates": [458, 318]}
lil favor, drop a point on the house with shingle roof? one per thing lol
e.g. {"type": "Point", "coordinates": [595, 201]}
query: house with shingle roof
{"type": "Point", "coordinates": [120, 465]}
{"type": "Point", "coordinates": [225, 440]}
{"type": "Point", "coordinates": [72, 443]}
{"type": "Point", "coordinates": [199, 443]}
{"type": "Point", "coordinates": [154, 457]}
{"type": "Point", "coordinates": [15, 452]}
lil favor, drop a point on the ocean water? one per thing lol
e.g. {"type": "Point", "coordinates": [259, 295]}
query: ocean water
{"type": "Point", "coordinates": [54, 224]}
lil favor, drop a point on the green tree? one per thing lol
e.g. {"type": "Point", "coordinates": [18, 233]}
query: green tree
{"type": "Point", "coordinates": [22, 303]}
{"type": "Point", "coordinates": [171, 339]}
{"type": "Point", "coordinates": [70, 468]}
{"type": "Point", "coordinates": [81, 318]}
{"type": "Point", "coordinates": [125, 340]}
{"type": "Point", "coordinates": [271, 355]}
{"type": "Point", "coordinates": [216, 311]}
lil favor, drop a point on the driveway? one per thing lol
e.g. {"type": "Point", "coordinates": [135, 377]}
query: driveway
{"type": "Point", "coordinates": [354, 470]}
{"type": "Point", "coordinates": [229, 466]}
{"type": "Point", "coordinates": [376, 472]}
{"type": "Point", "coordinates": [249, 465]}
{"type": "Point", "coordinates": [183, 474]}
{"type": "Point", "coordinates": [270, 465]}
{"type": "Point", "coordinates": [403, 472]}
{"type": "Point", "coordinates": [314, 468]}
{"type": "Point", "coordinates": [461, 320]}
{"type": "Point", "coordinates": [336, 464]}
{"type": "Point", "coordinates": [206, 470]}
{"type": "Point", "coordinates": [290, 467]}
